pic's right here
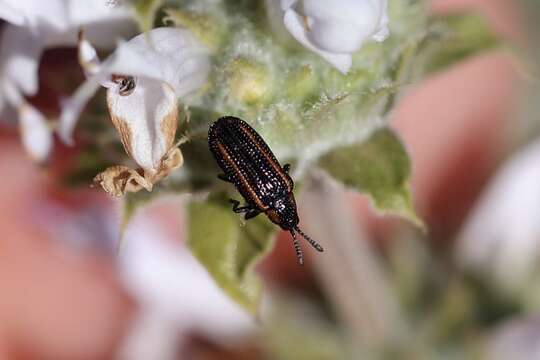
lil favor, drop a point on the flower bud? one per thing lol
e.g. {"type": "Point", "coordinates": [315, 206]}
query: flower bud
{"type": "Point", "coordinates": [144, 78]}
{"type": "Point", "coordinates": [336, 29]}
{"type": "Point", "coordinates": [249, 80]}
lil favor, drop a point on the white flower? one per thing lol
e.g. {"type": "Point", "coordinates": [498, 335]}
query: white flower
{"type": "Point", "coordinates": [516, 339]}
{"type": "Point", "coordinates": [501, 238]}
{"type": "Point", "coordinates": [336, 29]}
{"type": "Point", "coordinates": [144, 78]}
{"type": "Point", "coordinates": [176, 294]}
{"type": "Point", "coordinates": [34, 25]}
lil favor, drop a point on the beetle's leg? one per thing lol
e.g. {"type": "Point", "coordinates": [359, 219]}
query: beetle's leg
{"type": "Point", "coordinates": [239, 209]}
{"type": "Point", "coordinates": [224, 177]}
{"type": "Point", "coordinates": [251, 214]}
{"type": "Point", "coordinates": [286, 168]}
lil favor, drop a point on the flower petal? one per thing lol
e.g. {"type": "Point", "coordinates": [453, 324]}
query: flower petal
{"type": "Point", "coordinates": [157, 271]}
{"type": "Point", "coordinates": [294, 23]}
{"type": "Point", "coordinates": [502, 236]}
{"type": "Point", "coordinates": [74, 105]}
{"type": "Point", "coordinates": [11, 13]}
{"type": "Point", "coordinates": [12, 95]}
{"type": "Point", "coordinates": [338, 37]}
{"type": "Point", "coordinates": [88, 57]}
{"type": "Point", "coordinates": [169, 55]}
{"type": "Point", "coordinates": [2, 105]}
{"type": "Point", "coordinates": [342, 26]}
{"type": "Point", "coordinates": [38, 14]}
{"type": "Point", "coordinates": [35, 133]}
{"type": "Point", "coordinates": [20, 51]}
{"type": "Point", "coordinates": [104, 25]}
{"type": "Point", "coordinates": [146, 120]}
{"type": "Point", "coordinates": [118, 180]}
{"type": "Point", "coordinates": [286, 4]}
{"type": "Point", "coordinates": [84, 12]}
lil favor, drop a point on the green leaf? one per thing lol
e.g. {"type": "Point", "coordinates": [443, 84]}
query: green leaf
{"type": "Point", "coordinates": [207, 28]}
{"type": "Point", "coordinates": [380, 168]}
{"type": "Point", "coordinates": [228, 250]}
{"type": "Point", "coordinates": [145, 12]}
{"type": "Point", "coordinates": [460, 36]}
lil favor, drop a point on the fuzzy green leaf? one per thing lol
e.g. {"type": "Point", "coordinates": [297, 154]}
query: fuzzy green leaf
{"type": "Point", "coordinates": [379, 167]}
{"type": "Point", "coordinates": [460, 36]}
{"type": "Point", "coordinates": [145, 12]}
{"type": "Point", "coordinates": [228, 250]}
{"type": "Point", "coordinates": [207, 29]}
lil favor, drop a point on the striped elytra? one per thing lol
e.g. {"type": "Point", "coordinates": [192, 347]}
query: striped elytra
{"type": "Point", "coordinates": [249, 164]}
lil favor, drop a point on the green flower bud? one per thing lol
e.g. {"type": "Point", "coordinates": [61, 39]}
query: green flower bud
{"type": "Point", "coordinates": [249, 81]}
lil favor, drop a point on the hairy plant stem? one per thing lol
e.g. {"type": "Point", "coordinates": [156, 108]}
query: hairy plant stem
{"type": "Point", "coordinates": [348, 270]}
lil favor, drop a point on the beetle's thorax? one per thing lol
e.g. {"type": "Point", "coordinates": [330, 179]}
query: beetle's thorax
{"type": "Point", "coordinates": [283, 212]}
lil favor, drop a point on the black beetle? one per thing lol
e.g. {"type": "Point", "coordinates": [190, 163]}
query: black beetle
{"type": "Point", "coordinates": [249, 164]}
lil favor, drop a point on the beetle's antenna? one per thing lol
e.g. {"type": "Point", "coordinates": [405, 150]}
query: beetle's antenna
{"type": "Point", "coordinates": [310, 240]}
{"type": "Point", "coordinates": [297, 248]}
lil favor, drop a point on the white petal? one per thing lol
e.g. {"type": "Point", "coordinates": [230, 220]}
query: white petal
{"type": "Point", "coordinates": [337, 9]}
{"type": "Point", "coordinates": [146, 120]}
{"type": "Point", "coordinates": [20, 51]}
{"type": "Point", "coordinates": [2, 104]}
{"type": "Point", "coordinates": [169, 55]}
{"type": "Point", "coordinates": [350, 11]}
{"type": "Point", "coordinates": [158, 271]}
{"type": "Point", "coordinates": [10, 13]}
{"type": "Point", "coordinates": [88, 57]}
{"type": "Point", "coordinates": [286, 4]}
{"type": "Point", "coordinates": [338, 37]}
{"type": "Point", "coordinates": [502, 236]}
{"type": "Point", "coordinates": [74, 105]}
{"type": "Point", "coordinates": [84, 12]}
{"type": "Point", "coordinates": [35, 133]}
{"type": "Point", "coordinates": [342, 26]}
{"type": "Point", "coordinates": [383, 32]}
{"type": "Point", "coordinates": [294, 23]}
{"type": "Point", "coordinates": [57, 21]}
{"type": "Point", "coordinates": [39, 14]}
{"type": "Point", "coordinates": [11, 94]}
{"type": "Point", "coordinates": [517, 338]}
{"type": "Point", "coordinates": [103, 25]}
{"type": "Point", "coordinates": [104, 34]}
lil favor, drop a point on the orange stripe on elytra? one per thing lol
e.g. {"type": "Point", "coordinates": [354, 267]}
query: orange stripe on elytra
{"type": "Point", "coordinates": [243, 180]}
{"type": "Point", "coordinates": [265, 151]}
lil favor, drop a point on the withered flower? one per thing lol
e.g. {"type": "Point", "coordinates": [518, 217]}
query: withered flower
{"type": "Point", "coordinates": [144, 78]}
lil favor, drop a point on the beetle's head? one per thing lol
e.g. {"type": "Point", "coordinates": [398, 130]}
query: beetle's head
{"type": "Point", "coordinates": [283, 212]}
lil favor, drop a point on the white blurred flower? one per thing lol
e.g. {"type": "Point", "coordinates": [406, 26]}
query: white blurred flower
{"type": "Point", "coordinates": [335, 29]}
{"type": "Point", "coordinates": [516, 339]}
{"type": "Point", "coordinates": [34, 25]}
{"type": "Point", "coordinates": [176, 294]}
{"type": "Point", "coordinates": [144, 78]}
{"type": "Point", "coordinates": [501, 238]}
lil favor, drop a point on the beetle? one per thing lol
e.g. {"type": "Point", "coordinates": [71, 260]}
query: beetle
{"type": "Point", "coordinates": [249, 164]}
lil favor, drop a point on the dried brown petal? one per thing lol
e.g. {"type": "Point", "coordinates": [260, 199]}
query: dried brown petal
{"type": "Point", "coordinates": [118, 180]}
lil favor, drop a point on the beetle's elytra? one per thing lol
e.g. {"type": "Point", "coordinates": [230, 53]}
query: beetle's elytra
{"type": "Point", "coordinates": [249, 164]}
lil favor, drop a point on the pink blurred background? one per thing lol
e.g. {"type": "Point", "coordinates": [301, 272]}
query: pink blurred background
{"type": "Point", "coordinates": [61, 294]}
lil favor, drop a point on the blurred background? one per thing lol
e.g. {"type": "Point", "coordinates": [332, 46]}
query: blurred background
{"type": "Point", "coordinates": [467, 288]}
